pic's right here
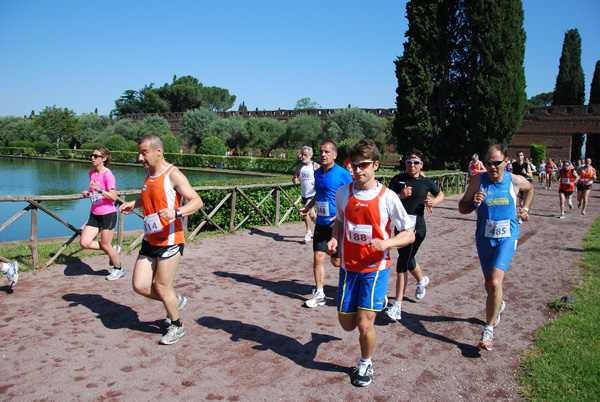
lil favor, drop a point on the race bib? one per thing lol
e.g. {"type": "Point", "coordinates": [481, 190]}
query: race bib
{"type": "Point", "coordinates": [497, 229]}
{"type": "Point", "coordinates": [323, 208]}
{"type": "Point", "coordinates": [152, 224]}
{"type": "Point", "coordinates": [359, 234]}
{"type": "Point", "coordinates": [587, 181]}
{"type": "Point", "coordinates": [566, 180]}
{"type": "Point", "coordinates": [96, 198]}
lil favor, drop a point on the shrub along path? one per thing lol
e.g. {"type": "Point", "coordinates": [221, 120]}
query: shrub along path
{"type": "Point", "coordinates": [68, 332]}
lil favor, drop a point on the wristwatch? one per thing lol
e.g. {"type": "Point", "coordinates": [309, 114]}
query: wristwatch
{"type": "Point", "coordinates": [178, 214]}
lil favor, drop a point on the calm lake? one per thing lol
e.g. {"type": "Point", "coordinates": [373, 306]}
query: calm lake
{"type": "Point", "coordinates": [45, 177]}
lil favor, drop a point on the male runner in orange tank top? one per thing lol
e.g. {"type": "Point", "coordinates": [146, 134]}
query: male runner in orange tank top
{"type": "Point", "coordinates": [157, 263]}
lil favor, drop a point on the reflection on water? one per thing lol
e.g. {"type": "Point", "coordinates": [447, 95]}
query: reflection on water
{"type": "Point", "coordinates": [42, 177]}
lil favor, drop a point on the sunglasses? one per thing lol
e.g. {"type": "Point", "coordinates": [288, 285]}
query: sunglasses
{"type": "Point", "coordinates": [362, 165]}
{"type": "Point", "coordinates": [94, 156]}
{"type": "Point", "coordinates": [416, 163]}
{"type": "Point", "coordinates": [495, 163]}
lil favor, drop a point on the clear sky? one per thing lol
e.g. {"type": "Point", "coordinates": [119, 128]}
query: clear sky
{"type": "Point", "coordinates": [83, 55]}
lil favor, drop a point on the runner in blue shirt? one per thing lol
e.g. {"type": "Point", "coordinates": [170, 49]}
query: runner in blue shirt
{"type": "Point", "coordinates": [328, 178]}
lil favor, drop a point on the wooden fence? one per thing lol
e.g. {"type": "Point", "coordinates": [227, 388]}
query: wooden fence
{"type": "Point", "coordinates": [449, 182]}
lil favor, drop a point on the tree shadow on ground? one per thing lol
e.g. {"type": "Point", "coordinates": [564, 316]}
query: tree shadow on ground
{"type": "Point", "coordinates": [276, 236]}
{"type": "Point", "coordinates": [78, 268]}
{"type": "Point", "coordinates": [414, 323]}
{"type": "Point", "coordinates": [301, 354]}
{"type": "Point", "coordinates": [287, 288]}
{"type": "Point", "coordinates": [114, 315]}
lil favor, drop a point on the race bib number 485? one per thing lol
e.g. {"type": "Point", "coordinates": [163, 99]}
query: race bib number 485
{"type": "Point", "coordinates": [497, 229]}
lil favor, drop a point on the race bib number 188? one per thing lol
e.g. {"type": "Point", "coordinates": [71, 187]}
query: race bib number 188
{"type": "Point", "coordinates": [359, 234]}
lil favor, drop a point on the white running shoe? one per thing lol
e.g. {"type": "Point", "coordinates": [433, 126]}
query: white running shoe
{"type": "Point", "coordinates": [173, 334]}
{"type": "Point", "coordinates": [13, 273]}
{"type": "Point", "coordinates": [420, 292]}
{"type": "Point", "coordinates": [363, 374]}
{"type": "Point", "coordinates": [116, 274]}
{"type": "Point", "coordinates": [394, 312]}
{"type": "Point", "coordinates": [562, 216]}
{"type": "Point", "coordinates": [570, 205]}
{"type": "Point", "coordinates": [307, 236]}
{"type": "Point", "coordinates": [318, 299]}
{"type": "Point", "coordinates": [486, 339]}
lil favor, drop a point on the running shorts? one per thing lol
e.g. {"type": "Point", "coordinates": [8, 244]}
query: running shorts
{"type": "Point", "coordinates": [151, 251]}
{"type": "Point", "coordinates": [108, 221]}
{"type": "Point", "coordinates": [498, 256]}
{"type": "Point", "coordinates": [322, 236]}
{"type": "Point", "coordinates": [365, 291]}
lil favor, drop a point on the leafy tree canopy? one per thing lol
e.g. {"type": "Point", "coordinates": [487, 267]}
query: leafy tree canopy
{"type": "Point", "coordinates": [543, 99]}
{"type": "Point", "coordinates": [58, 124]}
{"type": "Point", "coordinates": [306, 103]}
{"type": "Point", "coordinates": [595, 87]}
{"type": "Point", "coordinates": [195, 124]}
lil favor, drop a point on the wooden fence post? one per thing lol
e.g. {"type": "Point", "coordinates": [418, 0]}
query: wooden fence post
{"type": "Point", "coordinates": [33, 238]}
{"type": "Point", "coordinates": [232, 215]}
{"type": "Point", "coordinates": [277, 206]}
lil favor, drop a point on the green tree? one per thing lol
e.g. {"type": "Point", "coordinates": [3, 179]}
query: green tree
{"type": "Point", "coordinates": [171, 143]}
{"type": "Point", "coordinates": [354, 123]}
{"type": "Point", "coordinates": [543, 99]}
{"type": "Point", "coordinates": [570, 82]}
{"type": "Point", "coordinates": [150, 100]}
{"type": "Point", "coordinates": [461, 81]}
{"type": "Point", "coordinates": [195, 124]}
{"type": "Point", "coordinates": [230, 131]}
{"type": "Point", "coordinates": [17, 129]}
{"type": "Point", "coordinates": [218, 99]}
{"type": "Point", "coordinates": [264, 133]}
{"type": "Point", "coordinates": [128, 103]}
{"type": "Point", "coordinates": [94, 127]}
{"type": "Point", "coordinates": [242, 107]}
{"type": "Point", "coordinates": [183, 94]}
{"type": "Point", "coordinates": [303, 130]}
{"type": "Point", "coordinates": [595, 87]}
{"type": "Point", "coordinates": [153, 125]}
{"type": "Point", "coordinates": [212, 146]}
{"type": "Point", "coordinates": [125, 128]}
{"type": "Point", "coordinates": [117, 143]}
{"type": "Point", "coordinates": [58, 124]}
{"type": "Point", "coordinates": [306, 103]}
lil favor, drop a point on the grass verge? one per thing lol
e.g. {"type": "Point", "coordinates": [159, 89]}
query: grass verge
{"type": "Point", "coordinates": [564, 363]}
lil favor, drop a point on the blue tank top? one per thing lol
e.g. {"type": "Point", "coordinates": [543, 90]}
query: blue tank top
{"type": "Point", "coordinates": [326, 186]}
{"type": "Point", "coordinates": [497, 215]}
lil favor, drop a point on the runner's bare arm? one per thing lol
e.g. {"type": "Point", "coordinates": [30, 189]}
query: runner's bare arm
{"type": "Point", "coordinates": [182, 186]}
{"type": "Point", "coordinates": [464, 205]}
{"type": "Point", "coordinates": [432, 202]}
{"type": "Point", "coordinates": [402, 239]}
{"type": "Point", "coordinates": [524, 185]}
{"type": "Point", "coordinates": [130, 205]}
{"type": "Point", "coordinates": [295, 179]}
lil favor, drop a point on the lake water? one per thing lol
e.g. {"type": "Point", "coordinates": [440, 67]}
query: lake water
{"type": "Point", "coordinates": [46, 177]}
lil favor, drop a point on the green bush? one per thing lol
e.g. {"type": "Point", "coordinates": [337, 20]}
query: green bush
{"type": "Point", "coordinates": [42, 147]}
{"type": "Point", "coordinates": [538, 152]}
{"type": "Point", "coordinates": [20, 144]}
{"type": "Point", "coordinates": [20, 151]}
{"type": "Point", "coordinates": [116, 143]}
{"type": "Point", "coordinates": [171, 144]}
{"type": "Point", "coordinates": [91, 145]}
{"type": "Point", "coordinates": [212, 146]}
{"type": "Point", "coordinates": [343, 149]}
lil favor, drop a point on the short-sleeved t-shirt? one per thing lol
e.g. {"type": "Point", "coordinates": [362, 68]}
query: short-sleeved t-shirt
{"type": "Point", "coordinates": [100, 204]}
{"type": "Point", "coordinates": [421, 186]}
{"type": "Point", "coordinates": [326, 185]}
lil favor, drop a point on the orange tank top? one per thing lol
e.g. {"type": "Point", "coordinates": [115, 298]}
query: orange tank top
{"type": "Point", "coordinates": [473, 167]}
{"type": "Point", "coordinates": [566, 180]}
{"type": "Point", "coordinates": [587, 178]}
{"type": "Point", "coordinates": [158, 193]}
{"type": "Point", "coordinates": [362, 223]}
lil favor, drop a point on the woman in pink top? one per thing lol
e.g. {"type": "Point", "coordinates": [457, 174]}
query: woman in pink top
{"type": "Point", "coordinates": [103, 215]}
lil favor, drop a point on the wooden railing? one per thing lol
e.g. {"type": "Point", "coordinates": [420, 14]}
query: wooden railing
{"type": "Point", "coordinates": [449, 182]}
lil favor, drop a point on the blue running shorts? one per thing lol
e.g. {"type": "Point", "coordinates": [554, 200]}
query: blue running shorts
{"type": "Point", "coordinates": [364, 291]}
{"type": "Point", "coordinates": [498, 256]}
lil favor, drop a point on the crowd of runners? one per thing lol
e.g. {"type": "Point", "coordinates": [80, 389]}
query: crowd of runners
{"type": "Point", "coordinates": [357, 222]}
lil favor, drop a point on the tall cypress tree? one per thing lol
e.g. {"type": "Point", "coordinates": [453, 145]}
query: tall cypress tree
{"type": "Point", "coordinates": [461, 81]}
{"type": "Point", "coordinates": [570, 82]}
{"type": "Point", "coordinates": [595, 90]}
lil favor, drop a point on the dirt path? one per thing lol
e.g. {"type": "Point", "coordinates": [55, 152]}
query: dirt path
{"type": "Point", "coordinates": [68, 332]}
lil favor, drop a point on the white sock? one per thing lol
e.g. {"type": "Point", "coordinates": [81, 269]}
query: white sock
{"type": "Point", "coordinates": [5, 268]}
{"type": "Point", "coordinates": [398, 303]}
{"type": "Point", "coordinates": [488, 328]}
{"type": "Point", "coordinates": [320, 292]}
{"type": "Point", "coordinates": [365, 361]}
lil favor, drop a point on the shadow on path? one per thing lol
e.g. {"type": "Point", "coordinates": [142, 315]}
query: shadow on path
{"type": "Point", "coordinates": [277, 236]}
{"type": "Point", "coordinates": [114, 315]}
{"type": "Point", "coordinates": [287, 288]}
{"type": "Point", "coordinates": [414, 323]}
{"type": "Point", "coordinates": [290, 348]}
{"type": "Point", "coordinates": [78, 268]}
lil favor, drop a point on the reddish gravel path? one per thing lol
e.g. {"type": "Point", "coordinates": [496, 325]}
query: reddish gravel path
{"type": "Point", "coordinates": [68, 334]}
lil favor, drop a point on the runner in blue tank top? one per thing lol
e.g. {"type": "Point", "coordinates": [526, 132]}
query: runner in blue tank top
{"type": "Point", "coordinates": [494, 196]}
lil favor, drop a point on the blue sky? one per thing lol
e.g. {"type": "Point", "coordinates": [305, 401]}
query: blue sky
{"type": "Point", "coordinates": [82, 55]}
